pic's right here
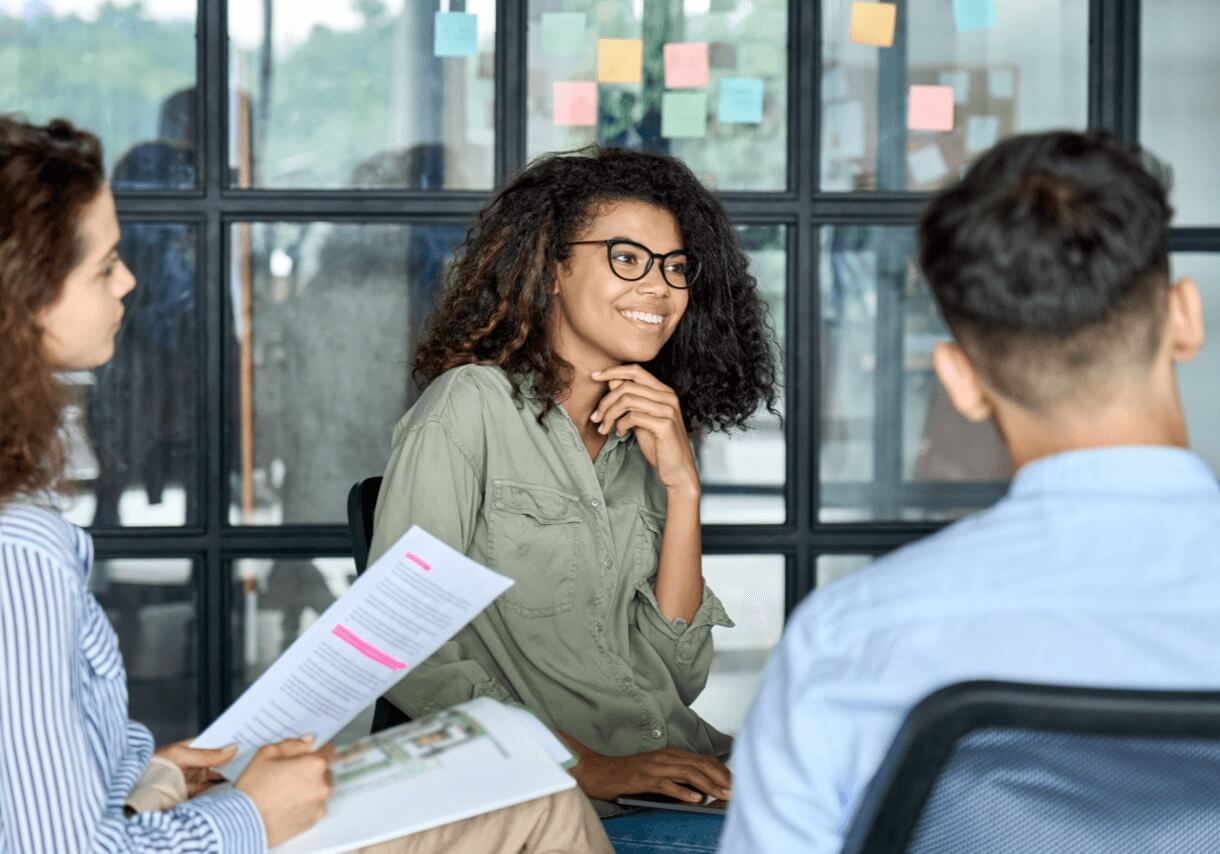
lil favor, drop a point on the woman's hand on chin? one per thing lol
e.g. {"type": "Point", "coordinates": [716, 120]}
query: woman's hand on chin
{"type": "Point", "coordinates": [670, 771]}
{"type": "Point", "coordinates": [639, 402]}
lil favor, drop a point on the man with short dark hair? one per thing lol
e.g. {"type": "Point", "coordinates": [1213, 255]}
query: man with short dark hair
{"type": "Point", "coordinates": [1049, 261]}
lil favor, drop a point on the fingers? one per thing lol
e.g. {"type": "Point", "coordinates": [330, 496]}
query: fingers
{"type": "Point", "coordinates": [658, 395]}
{"type": "Point", "coordinates": [211, 757]}
{"type": "Point", "coordinates": [632, 420]}
{"type": "Point", "coordinates": [666, 786]}
{"type": "Point", "coordinates": [632, 403]}
{"type": "Point", "coordinates": [289, 747]}
{"type": "Point", "coordinates": [184, 756]}
{"type": "Point", "coordinates": [635, 373]}
{"type": "Point", "coordinates": [706, 773]}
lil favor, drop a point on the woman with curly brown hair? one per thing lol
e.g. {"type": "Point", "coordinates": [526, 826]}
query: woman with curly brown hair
{"type": "Point", "coordinates": [601, 309]}
{"type": "Point", "coordinates": [75, 773]}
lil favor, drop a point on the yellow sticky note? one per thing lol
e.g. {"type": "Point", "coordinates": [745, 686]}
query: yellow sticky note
{"type": "Point", "coordinates": [873, 23]}
{"type": "Point", "coordinates": [620, 60]}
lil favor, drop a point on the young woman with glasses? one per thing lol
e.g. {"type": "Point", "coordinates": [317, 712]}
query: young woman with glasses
{"type": "Point", "coordinates": [76, 774]}
{"type": "Point", "coordinates": [600, 310]}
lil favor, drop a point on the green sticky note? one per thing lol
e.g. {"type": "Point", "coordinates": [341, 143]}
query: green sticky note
{"type": "Point", "coordinates": [457, 34]}
{"type": "Point", "coordinates": [760, 59]}
{"type": "Point", "coordinates": [684, 115]}
{"type": "Point", "coordinates": [563, 33]}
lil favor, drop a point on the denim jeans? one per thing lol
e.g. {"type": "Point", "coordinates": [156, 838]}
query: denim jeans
{"type": "Point", "coordinates": [649, 831]}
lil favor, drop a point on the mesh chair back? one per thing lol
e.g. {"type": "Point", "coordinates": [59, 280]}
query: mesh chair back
{"type": "Point", "coordinates": [1033, 769]}
{"type": "Point", "coordinates": [1012, 791]}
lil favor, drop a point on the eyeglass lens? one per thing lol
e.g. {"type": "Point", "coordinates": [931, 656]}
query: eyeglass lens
{"type": "Point", "coordinates": [630, 261]}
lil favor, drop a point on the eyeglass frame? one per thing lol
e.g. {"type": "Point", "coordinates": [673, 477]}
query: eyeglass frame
{"type": "Point", "coordinates": [652, 257]}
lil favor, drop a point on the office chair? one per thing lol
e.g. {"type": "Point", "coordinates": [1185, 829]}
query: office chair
{"type": "Point", "coordinates": [361, 505]}
{"type": "Point", "coordinates": [1009, 768]}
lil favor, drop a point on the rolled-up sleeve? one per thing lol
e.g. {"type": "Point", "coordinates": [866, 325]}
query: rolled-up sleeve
{"type": "Point", "coordinates": [686, 648]}
{"type": "Point", "coordinates": [435, 482]}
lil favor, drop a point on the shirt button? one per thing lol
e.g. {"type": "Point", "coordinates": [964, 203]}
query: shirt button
{"type": "Point", "coordinates": [594, 503]}
{"type": "Point", "coordinates": [656, 733]}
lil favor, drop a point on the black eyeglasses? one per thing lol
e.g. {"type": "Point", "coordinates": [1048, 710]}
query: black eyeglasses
{"type": "Point", "coordinates": [631, 261]}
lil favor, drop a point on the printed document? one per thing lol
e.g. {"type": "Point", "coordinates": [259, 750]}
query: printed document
{"type": "Point", "coordinates": [396, 614]}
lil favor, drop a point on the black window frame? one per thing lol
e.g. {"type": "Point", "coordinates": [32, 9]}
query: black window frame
{"type": "Point", "coordinates": [214, 206]}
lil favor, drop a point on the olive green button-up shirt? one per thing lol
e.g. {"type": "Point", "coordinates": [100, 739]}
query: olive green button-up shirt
{"type": "Point", "coordinates": [579, 637]}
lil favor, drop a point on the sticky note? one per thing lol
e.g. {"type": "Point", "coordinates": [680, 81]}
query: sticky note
{"type": "Point", "coordinates": [563, 33]}
{"type": "Point", "coordinates": [973, 14]}
{"type": "Point", "coordinates": [684, 115]}
{"type": "Point", "coordinates": [981, 133]}
{"type": "Point", "coordinates": [873, 23]}
{"type": "Point", "coordinates": [927, 164]}
{"type": "Point", "coordinates": [763, 59]}
{"type": "Point", "coordinates": [722, 55]}
{"type": "Point", "coordinates": [741, 100]}
{"type": "Point", "coordinates": [930, 108]}
{"type": "Point", "coordinates": [620, 60]}
{"type": "Point", "coordinates": [843, 128]}
{"type": "Point", "coordinates": [960, 82]}
{"type": "Point", "coordinates": [1001, 83]}
{"type": "Point", "coordinates": [574, 104]}
{"type": "Point", "coordinates": [685, 65]}
{"type": "Point", "coordinates": [457, 34]}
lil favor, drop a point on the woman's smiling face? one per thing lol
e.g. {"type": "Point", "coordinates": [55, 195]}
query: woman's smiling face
{"type": "Point", "coordinates": [600, 319]}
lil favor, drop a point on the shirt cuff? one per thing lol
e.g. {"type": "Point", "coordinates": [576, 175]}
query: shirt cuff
{"type": "Point", "coordinates": [233, 817]}
{"type": "Point", "coordinates": [711, 613]}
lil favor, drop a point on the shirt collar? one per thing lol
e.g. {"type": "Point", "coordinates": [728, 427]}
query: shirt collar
{"type": "Point", "coordinates": [1142, 469]}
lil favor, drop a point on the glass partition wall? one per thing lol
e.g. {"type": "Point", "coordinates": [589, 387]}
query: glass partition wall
{"type": "Point", "coordinates": [293, 177]}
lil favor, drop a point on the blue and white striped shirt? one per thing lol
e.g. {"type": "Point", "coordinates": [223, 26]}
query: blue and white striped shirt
{"type": "Point", "coordinates": [68, 753]}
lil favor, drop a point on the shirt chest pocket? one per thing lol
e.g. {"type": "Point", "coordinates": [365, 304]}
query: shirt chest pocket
{"type": "Point", "coordinates": [535, 535]}
{"type": "Point", "coordinates": [650, 527]}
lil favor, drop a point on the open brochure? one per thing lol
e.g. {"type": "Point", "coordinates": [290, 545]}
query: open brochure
{"type": "Point", "coordinates": [477, 757]}
{"type": "Point", "coordinates": [398, 612]}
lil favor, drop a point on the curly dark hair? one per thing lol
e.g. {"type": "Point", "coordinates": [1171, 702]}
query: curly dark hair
{"type": "Point", "coordinates": [48, 174]}
{"type": "Point", "coordinates": [721, 360]}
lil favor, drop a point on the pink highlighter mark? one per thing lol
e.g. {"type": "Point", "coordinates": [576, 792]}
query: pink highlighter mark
{"type": "Point", "coordinates": [367, 649]}
{"type": "Point", "coordinates": [416, 559]}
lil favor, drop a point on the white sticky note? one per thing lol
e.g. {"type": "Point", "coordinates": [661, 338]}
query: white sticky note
{"type": "Point", "coordinates": [835, 84]}
{"type": "Point", "coordinates": [981, 133]}
{"type": "Point", "coordinates": [927, 164]}
{"type": "Point", "coordinates": [563, 34]}
{"type": "Point", "coordinates": [1001, 83]}
{"type": "Point", "coordinates": [960, 81]}
{"type": "Point", "coordinates": [844, 129]}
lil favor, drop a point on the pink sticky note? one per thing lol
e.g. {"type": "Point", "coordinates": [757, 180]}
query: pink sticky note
{"type": "Point", "coordinates": [575, 104]}
{"type": "Point", "coordinates": [685, 65]}
{"type": "Point", "coordinates": [930, 108]}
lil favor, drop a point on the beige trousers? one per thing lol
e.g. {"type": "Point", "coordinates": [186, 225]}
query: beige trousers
{"type": "Point", "coordinates": [559, 824]}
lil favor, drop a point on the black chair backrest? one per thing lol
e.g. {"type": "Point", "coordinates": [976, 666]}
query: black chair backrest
{"type": "Point", "coordinates": [1012, 768]}
{"type": "Point", "coordinates": [361, 507]}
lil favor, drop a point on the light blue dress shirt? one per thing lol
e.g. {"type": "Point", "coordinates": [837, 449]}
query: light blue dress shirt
{"type": "Point", "coordinates": [1100, 567]}
{"type": "Point", "coordinates": [69, 755]}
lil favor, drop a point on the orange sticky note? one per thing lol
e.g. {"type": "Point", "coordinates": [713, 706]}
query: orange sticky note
{"type": "Point", "coordinates": [873, 23]}
{"type": "Point", "coordinates": [930, 108]}
{"type": "Point", "coordinates": [575, 104]}
{"type": "Point", "coordinates": [620, 60]}
{"type": "Point", "coordinates": [685, 65]}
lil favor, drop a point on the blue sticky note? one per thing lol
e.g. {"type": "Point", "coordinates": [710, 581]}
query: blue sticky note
{"type": "Point", "coordinates": [741, 100]}
{"type": "Point", "coordinates": [973, 14]}
{"type": "Point", "coordinates": [457, 34]}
